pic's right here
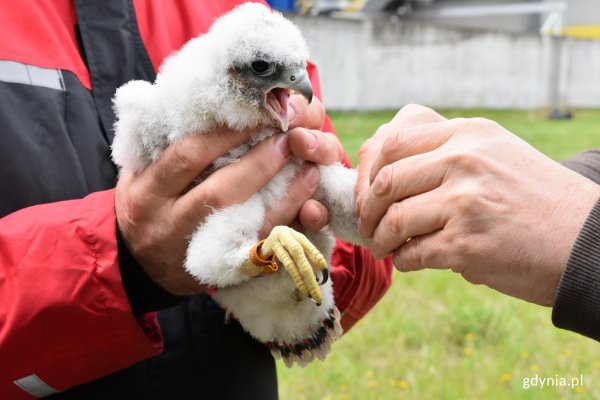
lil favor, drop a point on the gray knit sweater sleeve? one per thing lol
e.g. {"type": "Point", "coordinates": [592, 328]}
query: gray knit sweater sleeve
{"type": "Point", "coordinates": [577, 301]}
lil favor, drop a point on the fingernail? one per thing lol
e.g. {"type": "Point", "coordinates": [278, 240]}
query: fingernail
{"type": "Point", "coordinates": [310, 140]}
{"type": "Point", "coordinates": [357, 205]}
{"type": "Point", "coordinates": [310, 177]}
{"type": "Point", "coordinates": [281, 142]}
{"type": "Point", "coordinates": [376, 251]}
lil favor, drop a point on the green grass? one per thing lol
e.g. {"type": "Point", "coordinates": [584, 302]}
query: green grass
{"type": "Point", "coordinates": [434, 336]}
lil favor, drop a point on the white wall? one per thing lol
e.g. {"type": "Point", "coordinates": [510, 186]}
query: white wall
{"type": "Point", "coordinates": [370, 65]}
{"type": "Point", "coordinates": [582, 12]}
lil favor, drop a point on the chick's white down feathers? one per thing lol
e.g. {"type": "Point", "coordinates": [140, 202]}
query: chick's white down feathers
{"type": "Point", "coordinates": [196, 90]}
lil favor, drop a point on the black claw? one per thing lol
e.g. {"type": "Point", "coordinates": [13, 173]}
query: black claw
{"type": "Point", "coordinates": [329, 323]}
{"type": "Point", "coordinates": [324, 276]}
{"type": "Point", "coordinates": [317, 340]}
{"type": "Point", "coordinates": [298, 348]}
{"type": "Point", "coordinates": [322, 332]}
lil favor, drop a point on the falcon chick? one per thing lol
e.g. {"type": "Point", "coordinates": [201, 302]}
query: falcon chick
{"type": "Point", "coordinates": [240, 75]}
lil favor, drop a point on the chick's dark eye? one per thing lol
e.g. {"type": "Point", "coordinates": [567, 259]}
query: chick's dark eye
{"type": "Point", "coordinates": [260, 66]}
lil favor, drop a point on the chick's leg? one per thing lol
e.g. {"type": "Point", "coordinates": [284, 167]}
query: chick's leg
{"type": "Point", "coordinates": [297, 254]}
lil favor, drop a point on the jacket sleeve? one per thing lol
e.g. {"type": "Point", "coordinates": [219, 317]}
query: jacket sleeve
{"type": "Point", "coordinates": [65, 318]}
{"type": "Point", "coordinates": [577, 301]}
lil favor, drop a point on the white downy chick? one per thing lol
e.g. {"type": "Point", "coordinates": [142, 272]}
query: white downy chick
{"type": "Point", "coordinates": [240, 75]}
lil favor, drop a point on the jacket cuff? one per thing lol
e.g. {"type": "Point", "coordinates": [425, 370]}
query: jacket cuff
{"type": "Point", "coordinates": [577, 301]}
{"type": "Point", "coordinates": [143, 293]}
{"type": "Point", "coordinates": [586, 163]}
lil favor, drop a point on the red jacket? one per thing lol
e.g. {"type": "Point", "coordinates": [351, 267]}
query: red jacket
{"type": "Point", "coordinates": [65, 318]}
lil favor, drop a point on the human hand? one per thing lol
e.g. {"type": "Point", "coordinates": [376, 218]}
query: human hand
{"type": "Point", "coordinates": [156, 215]}
{"type": "Point", "coordinates": [466, 194]}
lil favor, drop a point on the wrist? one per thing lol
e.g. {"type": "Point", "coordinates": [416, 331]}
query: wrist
{"type": "Point", "coordinates": [143, 293]}
{"type": "Point", "coordinates": [579, 200]}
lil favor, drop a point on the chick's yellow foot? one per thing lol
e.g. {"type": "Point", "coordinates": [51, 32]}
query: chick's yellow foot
{"type": "Point", "coordinates": [296, 253]}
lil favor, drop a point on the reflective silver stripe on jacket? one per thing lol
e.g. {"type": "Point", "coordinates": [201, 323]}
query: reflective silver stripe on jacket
{"type": "Point", "coordinates": [33, 385]}
{"type": "Point", "coordinates": [16, 72]}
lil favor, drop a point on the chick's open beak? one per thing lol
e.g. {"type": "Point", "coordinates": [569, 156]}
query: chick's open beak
{"type": "Point", "coordinates": [277, 99]}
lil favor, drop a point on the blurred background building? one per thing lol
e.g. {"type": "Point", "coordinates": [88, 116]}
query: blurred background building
{"type": "Point", "coordinates": [524, 54]}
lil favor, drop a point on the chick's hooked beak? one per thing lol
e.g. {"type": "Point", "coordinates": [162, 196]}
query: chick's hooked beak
{"type": "Point", "coordinates": [277, 99]}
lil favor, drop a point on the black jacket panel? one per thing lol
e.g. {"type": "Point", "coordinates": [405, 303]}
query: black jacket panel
{"type": "Point", "coordinates": [52, 146]}
{"type": "Point", "coordinates": [204, 358]}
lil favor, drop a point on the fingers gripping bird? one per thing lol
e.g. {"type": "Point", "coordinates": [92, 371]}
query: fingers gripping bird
{"type": "Point", "coordinates": [240, 75]}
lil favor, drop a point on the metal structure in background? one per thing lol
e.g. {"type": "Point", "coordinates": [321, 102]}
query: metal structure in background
{"type": "Point", "coordinates": [466, 9]}
{"type": "Point", "coordinates": [552, 15]}
{"type": "Point", "coordinates": [544, 17]}
{"type": "Point", "coordinates": [325, 7]}
{"type": "Point", "coordinates": [363, 7]}
{"type": "Point", "coordinates": [424, 8]}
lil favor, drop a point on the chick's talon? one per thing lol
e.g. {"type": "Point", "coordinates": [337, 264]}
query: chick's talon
{"type": "Point", "coordinates": [299, 257]}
